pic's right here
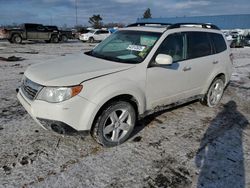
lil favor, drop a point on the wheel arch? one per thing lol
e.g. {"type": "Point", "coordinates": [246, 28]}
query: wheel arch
{"type": "Point", "coordinates": [12, 34]}
{"type": "Point", "coordinates": [128, 97]}
{"type": "Point", "coordinates": [212, 78]}
{"type": "Point", "coordinates": [123, 97]}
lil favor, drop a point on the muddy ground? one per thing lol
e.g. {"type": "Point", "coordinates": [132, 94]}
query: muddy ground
{"type": "Point", "coordinates": [189, 146]}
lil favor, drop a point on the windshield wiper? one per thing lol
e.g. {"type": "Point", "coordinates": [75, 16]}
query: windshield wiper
{"type": "Point", "coordinates": [110, 58]}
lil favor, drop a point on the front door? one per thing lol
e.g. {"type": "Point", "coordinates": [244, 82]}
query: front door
{"type": "Point", "coordinates": [192, 63]}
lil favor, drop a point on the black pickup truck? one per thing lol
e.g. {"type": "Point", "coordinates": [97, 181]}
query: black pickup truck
{"type": "Point", "coordinates": [63, 34]}
{"type": "Point", "coordinates": [30, 31]}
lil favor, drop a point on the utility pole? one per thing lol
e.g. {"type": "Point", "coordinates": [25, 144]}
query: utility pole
{"type": "Point", "coordinates": [76, 11]}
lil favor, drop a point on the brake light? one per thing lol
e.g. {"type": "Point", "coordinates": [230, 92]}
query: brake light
{"type": "Point", "coordinates": [4, 31]}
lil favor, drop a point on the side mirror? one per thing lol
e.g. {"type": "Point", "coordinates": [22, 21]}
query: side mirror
{"type": "Point", "coordinates": [163, 59]}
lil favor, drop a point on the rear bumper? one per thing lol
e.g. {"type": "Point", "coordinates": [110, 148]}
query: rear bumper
{"type": "Point", "coordinates": [4, 35]}
{"type": "Point", "coordinates": [70, 116]}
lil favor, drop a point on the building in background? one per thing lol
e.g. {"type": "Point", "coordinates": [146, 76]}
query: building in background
{"type": "Point", "coordinates": [225, 22]}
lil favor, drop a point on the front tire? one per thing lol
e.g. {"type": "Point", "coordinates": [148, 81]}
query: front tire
{"type": "Point", "coordinates": [215, 92]}
{"type": "Point", "coordinates": [54, 39]}
{"type": "Point", "coordinates": [114, 124]}
{"type": "Point", "coordinates": [91, 40]}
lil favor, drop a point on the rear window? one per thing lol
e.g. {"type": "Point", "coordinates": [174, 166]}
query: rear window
{"type": "Point", "coordinates": [219, 42]}
{"type": "Point", "coordinates": [198, 45]}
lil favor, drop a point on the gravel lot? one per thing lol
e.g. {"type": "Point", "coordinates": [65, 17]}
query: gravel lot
{"type": "Point", "coordinates": [189, 146]}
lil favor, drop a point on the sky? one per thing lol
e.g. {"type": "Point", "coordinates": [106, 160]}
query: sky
{"type": "Point", "coordinates": [61, 12]}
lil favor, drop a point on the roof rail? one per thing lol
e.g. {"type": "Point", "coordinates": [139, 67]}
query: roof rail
{"type": "Point", "coordinates": [203, 25]}
{"type": "Point", "coordinates": [148, 24]}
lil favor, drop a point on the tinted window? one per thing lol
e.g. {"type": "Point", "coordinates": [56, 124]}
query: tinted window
{"type": "Point", "coordinates": [31, 27]}
{"type": "Point", "coordinates": [219, 42]}
{"type": "Point", "coordinates": [198, 45]}
{"type": "Point", "coordinates": [104, 32]}
{"type": "Point", "coordinates": [173, 46]}
{"type": "Point", "coordinates": [40, 28]}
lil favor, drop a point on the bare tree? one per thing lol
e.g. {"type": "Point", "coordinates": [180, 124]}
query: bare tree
{"type": "Point", "coordinates": [147, 13]}
{"type": "Point", "coordinates": [95, 21]}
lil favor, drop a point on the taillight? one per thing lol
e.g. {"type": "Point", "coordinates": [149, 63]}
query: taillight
{"type": "Point", "coordinates": [4, 31]}
{"type": "Point", "coordinates": [231, 57]}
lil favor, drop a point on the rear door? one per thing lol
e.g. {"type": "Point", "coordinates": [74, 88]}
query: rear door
{"type": "Point", "coordinates": [42, 33]}
{"type": "Point", "coordinates": [200, 60]}
{"type": "Point", "coordinates": [104, 34]}
{"type": "Point", "coordinates": [101, 35]}
{"type": "Point", "coordinates": [97, 35]}
{"type": "Point", "coordinates": [31, 31]}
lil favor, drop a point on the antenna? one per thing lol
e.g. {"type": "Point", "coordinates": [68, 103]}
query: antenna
{"type": "Point", "coordinates": [76, 11]}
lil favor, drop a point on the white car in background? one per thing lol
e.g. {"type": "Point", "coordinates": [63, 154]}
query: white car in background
{"type": "Point", "coordinates": [94, 35]}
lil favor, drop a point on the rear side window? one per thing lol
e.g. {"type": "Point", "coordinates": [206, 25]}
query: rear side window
{"type": "Point", "coordinates": [104, 32]}
{"type": "Point", "coordinates": [218, 42]}
{"type": "Point", "coordinates": [198, 45]}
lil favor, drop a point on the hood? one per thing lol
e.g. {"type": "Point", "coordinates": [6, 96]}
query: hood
{"type": "Point", "coordinates": [72, 70]}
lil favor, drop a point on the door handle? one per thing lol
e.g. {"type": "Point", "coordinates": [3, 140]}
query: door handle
{"type": "Point", "coordinates": [186, 68]}
{"type": "Point", "coordinates": [215, 62]}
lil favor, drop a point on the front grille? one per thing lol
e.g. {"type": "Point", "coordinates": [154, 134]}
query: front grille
{"type": "Point", "coordinates": [30, 88]}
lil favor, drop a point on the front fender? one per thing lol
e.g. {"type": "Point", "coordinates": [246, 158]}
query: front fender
{"type": "Point", "coordinates": [106, 93]}
{"type": "Point", "coordinates": [124, 87]}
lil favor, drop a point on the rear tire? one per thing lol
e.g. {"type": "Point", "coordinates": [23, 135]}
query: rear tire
{"type": "Point", "coordinates": [91, 40]}
{"type": "Point", "coordinates": [16, 38]}
{"type": "Point", "coordinates": [214, 93]}
{"type": "Point", "coordinates": [114, 124]}
{"type": "Point", "coordinates": [64, 38]}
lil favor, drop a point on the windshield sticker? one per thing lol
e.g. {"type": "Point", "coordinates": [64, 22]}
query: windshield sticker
{"type": "Point", "coordinates": [129, 56]}
{"type": "Point", "coordinates": [136, 48]}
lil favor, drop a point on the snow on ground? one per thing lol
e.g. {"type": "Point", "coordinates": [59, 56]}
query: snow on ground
{"type": "Point", "coordinates": [189, 146]}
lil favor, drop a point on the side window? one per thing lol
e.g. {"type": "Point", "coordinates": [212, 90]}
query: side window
{"type": "Point", "coordinates": [40, 28]}
{"type": "Point", "coordinates": [173, 45]}
{"type": "Point", "coordinates": [198, 45]}
{"type": "Point", "coordinates": [219, 42]}
{"type": "Point", "coordinates": [104, 32]}
{"type": "Point", "coordinates": [30, 27]}
{"type": "Point", "coordinates": [98, 32]}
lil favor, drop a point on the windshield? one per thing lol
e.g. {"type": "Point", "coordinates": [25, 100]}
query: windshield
{"type": "Point", "coordinates": [126, 46]}
{"type": "Point", "coordinates": [91, 31]}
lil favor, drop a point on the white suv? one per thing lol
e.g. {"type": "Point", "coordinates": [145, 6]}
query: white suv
{"type": "Point", "coordinates": [136, 71]}
{"type": "Point", "coordinates": [94, 35]}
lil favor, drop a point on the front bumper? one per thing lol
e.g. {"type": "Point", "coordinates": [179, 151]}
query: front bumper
{"type": "Point", "coordinates": [83, 38]}
{"type": "Point", "coordinates": [72, 115]}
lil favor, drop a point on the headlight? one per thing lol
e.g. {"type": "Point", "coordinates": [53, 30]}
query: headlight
{"type": "Point", "coordinates": [58, 94]}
